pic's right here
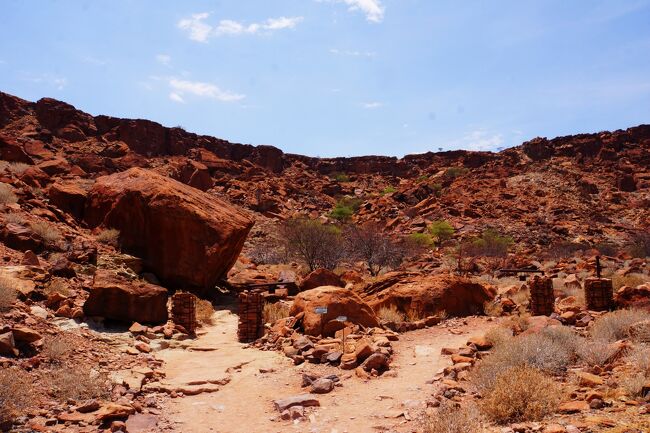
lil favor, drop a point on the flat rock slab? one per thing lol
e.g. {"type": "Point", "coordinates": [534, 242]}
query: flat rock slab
{"type": "Point", "coordinates": [304, 400]}
{"type": "Point", "coordinates": [184, 389]}
{"type": "Point", "coordinates": [141, 423]}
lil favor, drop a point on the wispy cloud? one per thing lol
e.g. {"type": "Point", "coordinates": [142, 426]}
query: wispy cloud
{"type": "Point", "coordinates": [479, 140]}
{"type": "Point", "coordinates": [351, 53]}
{"type": "Point", "coordinates": [200, 31]}
{"type": "Point", "coordinates": [196, 27]}
{"type": "Point", "coordinates": [181, 88]}
{"type": "Point", "coordinates": [47, 79]}
{"type": "Point", "coordinates": [372, 105]}
{"type": "Point", "coordinates": [372, 9]}
{"type": "Point", "coordinates": [164, 59]}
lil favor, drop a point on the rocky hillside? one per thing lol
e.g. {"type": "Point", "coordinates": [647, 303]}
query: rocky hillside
{"type": "Point", "coordinates": [588, 189]}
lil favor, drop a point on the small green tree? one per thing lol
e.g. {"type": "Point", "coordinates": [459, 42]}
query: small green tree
{"type": "Point", "coordinates": [421, 239]}
{"type": "Point", "coordinates": [441, 230]}
{"type": "Point", "coordinates": [345, 208]}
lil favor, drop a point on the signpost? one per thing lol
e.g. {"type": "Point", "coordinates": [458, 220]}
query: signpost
{"type": "Point", "coordinates": [321, 311]}
{"type": "Point", "coordinates": [343, 319]}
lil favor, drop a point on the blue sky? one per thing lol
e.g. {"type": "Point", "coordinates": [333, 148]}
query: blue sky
{"type": "Point", "coordinates": [340, 77]}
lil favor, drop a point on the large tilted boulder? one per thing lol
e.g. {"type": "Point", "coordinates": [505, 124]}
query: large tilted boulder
{"type": "Point", "coordinates": [321, 277]}
{"type": "Point", "coordinates": [339, 302]}
{"type": "Point", "coordinates": [633, 297]}
{"type": "Point", "coordinates": [427, 294]}
{"type": "Point", "coordinates": [118, 298]}
{"type": "Point", "coordinates": [188, 238]}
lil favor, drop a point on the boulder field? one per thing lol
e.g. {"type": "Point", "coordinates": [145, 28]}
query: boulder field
{"type": "Point", "coordinates": [188, 238]}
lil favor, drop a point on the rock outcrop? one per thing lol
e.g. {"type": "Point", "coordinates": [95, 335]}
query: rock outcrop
{"type": "Point", "coordinates": [115, 297]}
{"type": "Point", "coordinates": [319, 278]}
{"type": "Point", "coordinates": [188, 238]}
{"type": "Point", "coordinates": [428, 294]}
{"type": "Point", "coordinates": [338, 302]}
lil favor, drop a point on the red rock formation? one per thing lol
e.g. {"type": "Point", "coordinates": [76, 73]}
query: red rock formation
{"type": "Point", "coordinates": [188, 238]}
{"type": "Point", "coordinates": [339, 302]}
{"type": "Point", "coordinates": [319, 278]}
{"type": "Point", "coordinates": [115, 297]}
{"type": "Point", "coordinates": [427, 294]}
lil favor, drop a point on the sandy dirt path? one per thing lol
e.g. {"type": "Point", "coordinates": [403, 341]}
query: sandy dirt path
{"type": "Point", "coordinates": [245, 403]}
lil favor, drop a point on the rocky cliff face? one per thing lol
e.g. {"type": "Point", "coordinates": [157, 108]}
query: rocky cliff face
{"type": "Point", "coordinates": [541, 192]}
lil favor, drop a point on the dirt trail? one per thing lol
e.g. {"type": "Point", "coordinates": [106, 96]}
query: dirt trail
{"type": "Point", "coordinates": [244, 404]}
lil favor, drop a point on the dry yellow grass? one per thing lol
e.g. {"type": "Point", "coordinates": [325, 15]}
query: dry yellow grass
{"type": "Point", "coordinates": [108, 237]}
{"type": "Point", "coordinates": [47, 231]}
{"type": "Point", "coordinates": [449, 418]}
{"type": "Point", "coordinates": [390, 314]}
{"type": "Point", "coordinates": [77, 383]}
{"type": "Point", "coordinates": [615, 325]}
{"type": "Point", "coordinates": [204, 312]}
{"type": "Point", "coordinates": [7, 195]}
{"type": "Point", "coordinates": [521, 394]}
{"type": "Point", "coordinates": [274, 312]}
{"type": "Point", "coordinates": [15, 394]}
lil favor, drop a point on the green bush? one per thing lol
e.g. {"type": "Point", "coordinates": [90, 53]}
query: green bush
{"type": "Point", "coordinates": [345, 208]}
{"type": "Point", "coordinates": [490, 244]}
{"type": "Point", "coordinates": [441, 230]}
{"type": "Point", "coordinates": [421, 239]}
{"type": "Point", "coordinates": [388, 190]}
{"type": "Point", "coordinates": [340, 177]}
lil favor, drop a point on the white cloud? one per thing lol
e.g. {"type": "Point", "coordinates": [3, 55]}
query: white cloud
{"type": "Point", "coordinates": [373, 9]}
{"type": "Point", "coordinates": [479, 140]}
{"type": "Point", "coordinates": [164, 59]}
{"type": "Point", "coordinates": [47, 79]}
{"type": "Point", "coordinates": [198, 88]}
{"type": "Point", "coordinates": [201, 31]}
{"type": "Point", "coordinates": [372, 105]}
{"type": "Point", "coordinates": [176, 97]}
{"type": "Point", "coordinates": [338, 52]}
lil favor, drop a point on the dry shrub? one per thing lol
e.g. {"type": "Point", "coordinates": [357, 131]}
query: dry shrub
{"type": "Point", "coordinates": [204, 312]}
{"type": "Point", "coordinates": [498, 335]}
{"type": "Point", "coordinates": [108, 237]}
{"type": "Point", "coordinates": [596, 353]}
{"type": "Point", "coordinates": [56, 347]}
{"type": "Point", "coordinates": [414, 314]}
{"type": "Point", "coordinates": [639, 357]}
{"type": "Point", "coordinates": [47, 231]}
{"type": "Point", "coordinates": [449, 418]}
{"type": "Point", "coordinates": [15, 394]}
{"type": "Point", "coordinates": [521, 394]}
{"type": "Point", "coordinates": [7, 195]}
{"type": "Point", "coordinates": [615, 325]}
{"type": "Point", "coordinates": [78, 383]}
{"type": "Point", "coordinates": [633, 384]}
{"type": "Point", "coordinates": [493, 308]}
{"type": "Point", "coordinates": [630, 280]}
{"type": "Point", "coordinates": [13, 167]}
{"type": "Point", "coordinates": [274, 312]}
{"type": "Point", "coordinates": [551, 351]}
{"type": "Point", "coordinates": [8, 292]}
{"type": "Point", "coordinates": [390, 314]}
{"type": "Point", "coordinates": [518, 323]}
{"type": "Point", "coordinates": [60, 286]}
{"type": "Point", "coordinates": [14, 218]}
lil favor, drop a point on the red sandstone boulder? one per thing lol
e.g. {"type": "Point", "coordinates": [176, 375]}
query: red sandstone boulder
{"type": "Point", "coordinates": [319, 278]}
{"type": "Point", "coordinates": [339, 302]}
{"type": "Point", "coordinates": [633, 297]}
{"type": "Point", "coordinates": [68, 196]}
{"type": "Point", "coordinates": [188, 238]}
{"type": "Point", "coordinates": [194, 174]}
{"type": "Point", "coordinates": [21, 238]}
{"type": "Point", "coordinates": [115, 297]}
{"type": "Point", "coordinates": [428, 294]}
